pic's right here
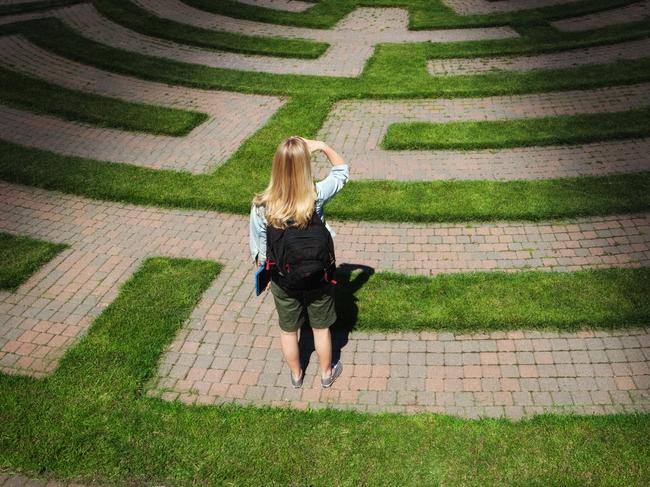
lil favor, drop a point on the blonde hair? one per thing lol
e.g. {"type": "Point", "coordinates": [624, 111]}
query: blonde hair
{"type": "Point", "coordinates": [291, 193]}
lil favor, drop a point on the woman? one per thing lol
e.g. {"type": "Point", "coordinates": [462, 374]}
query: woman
{"type": "Point", "coordinates": [291, 196]}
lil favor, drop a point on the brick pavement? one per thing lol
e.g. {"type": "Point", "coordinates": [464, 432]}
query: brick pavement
{"type": "Point", "coordinates": [634, 12]}
{"type": "Point", "coordinates": [345, 57]}
{"type": "Point", "coordinates": [471, 7]}
{"type": "Point", "coordinates": [10, 479]}
{"type": "Point", "coordinates": [628, 50]}
{"type": "Point", "coordinates": [288, 5]}
{"type": "Point", "coordinates": [229, 348]}
{"type": "Point", "coordinates": [233, 116]}
{"type": "Point", "coordinates": [357, 127]}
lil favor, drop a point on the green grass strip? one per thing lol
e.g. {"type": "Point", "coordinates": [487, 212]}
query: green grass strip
{"type": "Point", "coordinates": [41, 97]}
{"type": "Point", "coordinates": [90, 421]}
{"type": "Point", "coordinates": [436, 201]}
{"type": "Point", "coordinates": [488, 301]}
{"type": "Point", "coordinates": [139, 20]}
{"type": "Point", "coordinates": [36, 5]}
{"type": "Point", "coordinates": [21, 256]}
{"type": "Point", "coordinates": [499, 134]}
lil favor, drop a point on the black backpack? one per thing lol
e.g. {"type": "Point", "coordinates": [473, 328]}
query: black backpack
{"type": "Point", "coordinates": [301, 259]}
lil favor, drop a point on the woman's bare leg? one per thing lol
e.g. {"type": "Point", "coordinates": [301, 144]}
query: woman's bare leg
{"type": "Point", "coordinates": [323, 345]}
{"type": "Point", "coordinates": [289, 342]}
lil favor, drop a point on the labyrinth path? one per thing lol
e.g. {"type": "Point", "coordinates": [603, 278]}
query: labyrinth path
{"type": "Point", "coordinates": [628, 50]}
{"type": "Point", "coordinates": [233, 116]}
{"type": "Point", "coordinates": [228, 350]}
{"type": "Point", "coordinates": [343, 58]}
{"type": "Point", "coordinates": [471, 7]}
{"type": "Point", "coordinates": [634, 12]}
{"type": "Point", "coordinates": [358, 127]}
{"type": "Point", "coordinates": [289, 5]}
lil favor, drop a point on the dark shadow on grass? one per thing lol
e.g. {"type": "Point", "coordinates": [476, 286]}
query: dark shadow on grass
{"type": "Point", "coordinates": [347, 312]}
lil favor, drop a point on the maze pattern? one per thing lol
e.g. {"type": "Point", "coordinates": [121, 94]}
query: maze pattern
{"type": "Point", "coordinates": [343, 58]}
{"type": "Point", "coordinates": [233, 116]}
{"type": "Point", "coordinates": [229, 350]}
{"type": "Point", "coordinates": [634, 12]}
{"type": "Point", "coordinates": [358, 127]}
{"type": "Point", "coordinates": [472, 7]}
{"type": "Point", "coordinates": [610, 53]}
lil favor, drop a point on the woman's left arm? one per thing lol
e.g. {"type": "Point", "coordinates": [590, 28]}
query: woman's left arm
{"type": "Point", "coordinates": [257, 237]}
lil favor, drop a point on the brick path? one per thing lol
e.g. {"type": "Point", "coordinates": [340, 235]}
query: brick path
{"type": "Point", "coordinates": [470, 7]}
{"type": "Point", "coordinates": [289, 5]}
{"type": "Point", "coordinates": [629, 50]}
{"type": "Point", "coordinates": [18, 480]}
{"type": "Point", "coordinates": [346, 56]}
{"type": "Point", "coordinates": [233, 116]}
{"type": "Point", "coordinates": [229, 348]}
{"type": "Point", "coordinates": [634, 12]}
{"type": "Point", "coordinates": [357, 127]}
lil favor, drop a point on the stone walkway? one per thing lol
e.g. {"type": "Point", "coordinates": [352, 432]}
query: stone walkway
{"type": "Point", "coordinates": [635, 12]}
{"type": "Point", "coordinates": [18, 480]}
{"type": "Point", "coordinates": [357, 127]}
{"type": "Point", "coordinates": [233, 116]}
{"type": "Point", "coordinates": [229, 349]}
{"type": "Point", "coordinates": [628, 50]}
{"type": "Point", "coordinates": [472, 7]}
{"type": "Point", "coordinates": [346, 56]}
{"type": "Point", "coordinates": [288, 5]}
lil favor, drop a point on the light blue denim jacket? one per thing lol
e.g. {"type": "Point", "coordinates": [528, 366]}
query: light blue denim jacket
{"type": "Point", "coordinates": [325, 190]}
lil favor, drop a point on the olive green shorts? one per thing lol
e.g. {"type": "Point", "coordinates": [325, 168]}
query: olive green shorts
{"type": "Point", "coordinates": [293, 311]}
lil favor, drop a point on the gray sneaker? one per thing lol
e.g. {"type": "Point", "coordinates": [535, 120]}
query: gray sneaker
{"type": "Point", "coordinates": [336, 371]}
{"type": "Point", "coordinates": [297, 384]}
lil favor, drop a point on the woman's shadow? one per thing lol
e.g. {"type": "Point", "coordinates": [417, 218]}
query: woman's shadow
{"type": "Point", "coordinates": [349, 281]}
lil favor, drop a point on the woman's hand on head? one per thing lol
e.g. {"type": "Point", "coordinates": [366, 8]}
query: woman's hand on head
{"type": "Point", "coordinates": [313, 145]}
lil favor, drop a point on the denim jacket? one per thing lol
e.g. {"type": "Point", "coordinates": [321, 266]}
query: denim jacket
{"type": "Point", "coordinates": [325, 190]}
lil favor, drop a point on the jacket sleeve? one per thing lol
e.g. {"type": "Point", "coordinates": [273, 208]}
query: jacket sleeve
{"type": "Point", "coordinates": [257, 235]}
{"type": "Point", "coordinates": [328, 187]}
{"type": "Point", "coordinates": [332, 184]}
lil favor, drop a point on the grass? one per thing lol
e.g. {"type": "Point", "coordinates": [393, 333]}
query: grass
{"type": "Point", "coordinates": [41, 97]}
{"type": "Point", "coordinates": [90, 421]}
{"type": "Point", "coordinates": [21, 256]}
{"type": "Point", "coordinates": [488, 301]}
{"type": "Point", "coordinates": [499, 134]}
{"type": "Point", "coordinates": [139, 20]}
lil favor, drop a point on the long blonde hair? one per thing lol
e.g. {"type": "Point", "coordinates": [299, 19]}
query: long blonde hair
{"type": "Point", "coordinates": [291, 193]}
